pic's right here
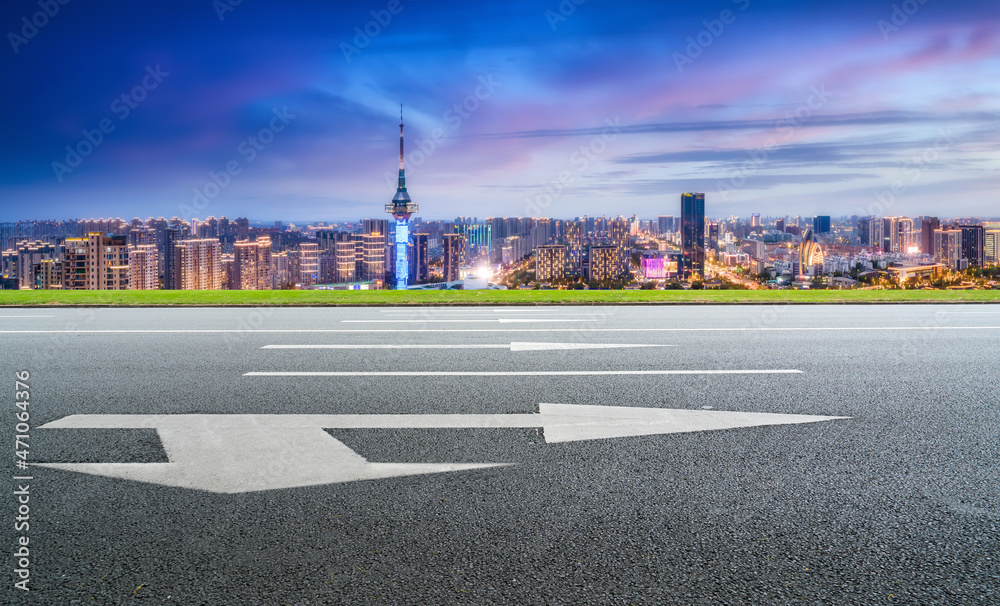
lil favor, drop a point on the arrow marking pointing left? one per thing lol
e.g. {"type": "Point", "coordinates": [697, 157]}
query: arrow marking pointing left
{"type": "Point", "coordinates": [246, 453]}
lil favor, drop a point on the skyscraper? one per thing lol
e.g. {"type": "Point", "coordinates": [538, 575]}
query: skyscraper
{"type": "Point", "coordinates": [421, 273]}
{"type": "Point", "coordinates": [452, 256]}
{"type": "Point", "coordinates": [693, 233]}
{"type": "Point", "coordinates": [821, 224]}
{"type": "Point", "coordinates": [927, 227]}
{"type": "Point", "coordinates": [401, 208]}
{"type": "Point", "coordinates": [974, 244]}
{"type": "Point", "coordinates": [142, 267]}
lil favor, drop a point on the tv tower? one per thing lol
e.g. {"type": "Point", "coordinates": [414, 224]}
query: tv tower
{"type": "Point", "coordinates": [401, 208]}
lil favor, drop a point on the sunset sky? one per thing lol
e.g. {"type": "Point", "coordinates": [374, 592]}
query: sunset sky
{"type": "Point", "coordinates": [511, 108]}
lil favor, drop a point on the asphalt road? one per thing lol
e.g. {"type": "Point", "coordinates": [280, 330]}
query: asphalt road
{"type": "Point", "coordinates": [899, 504]}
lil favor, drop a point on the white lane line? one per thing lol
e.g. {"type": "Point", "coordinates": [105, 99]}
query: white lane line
{"type": "Point", "coordinates": [450, 312]}
{"type": "Point", "coordinates": [971, 312]}
{"type": "Point", "coordinates": [515, 346]}
{"type": "Point", "coordinates": [27, 316]}
{"type": "Point", "coordinates": [533, 373]}
{"type": "Point", "coordinates": [481, 330]}
{"type": "Point", "coordinates": [485, 321]}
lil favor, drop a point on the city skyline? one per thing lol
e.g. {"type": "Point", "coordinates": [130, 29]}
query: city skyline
{"type": "Point", "coordinates": [565, 110]}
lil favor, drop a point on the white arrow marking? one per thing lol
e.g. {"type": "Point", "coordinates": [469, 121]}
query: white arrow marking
{"type": "Point", "coordinates": [245, 453]}
{"type": "Point", "coordinates": [531, 373]}
{"type": "Point", "coordinates": [516, 346]}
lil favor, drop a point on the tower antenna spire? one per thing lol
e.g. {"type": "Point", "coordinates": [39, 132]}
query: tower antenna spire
{"type": "Point", "coordinates": [400, 136]}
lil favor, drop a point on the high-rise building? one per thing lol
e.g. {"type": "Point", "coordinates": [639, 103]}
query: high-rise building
{"type": "Point", "coordinates": [948, 247]}
{"type": "Point", "coordinates": [49, 274]}
{"type": "Point", "coordinates": [373, 258]}
{"type": "Point", "coordinates": [143, 267]}
{"type": "Point", "coordinates": [421, 261]}
{"type": "Point", "coordinates": [693, 233]}
{"type": "Point", "coordinates": [821, 224]}
{"type": "Point", "coordinates": [665, 224]}
{"type": "Point", "coordinates": [974, 244]}
{"type": "Point", "coordinates": [550, 262]}
{"type": "Point", "coordinates": [453, 245]}
{"type": "Point", "coordinates": [30, 254]}
{"type": "Point", "coordinates": [346, 264]}
{"type": "Point", "coordinates": [754, 218]}
{"type": "Point", "coordinates": [170, 238]}
{"type": "Point", "coordinates": [779, 225]}
{"type": "Point", "coordinates": [96, 262]}
{"type": "Point", "coordinates": [890, 235]}
{"type": "Point", "coordinates": [198, 264]}
{"type": "Point", "coordinates": [252, 265]}
{"type": "Point", "coordinates": [605, 263]}
{"type": "Point", "coordinates": [927, 228]}
{"type": "Point", "coordinates": [308, 264]}
{"type": "Point", "coordinates": [992, 247]}
{"type": "Point", "coordinates": [401, 208]}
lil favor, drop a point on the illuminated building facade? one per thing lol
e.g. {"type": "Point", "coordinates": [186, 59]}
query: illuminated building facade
{"type": "Point", "coordinates": [550, 262]}
{"type": "Point", "coordinates": [605, 263]}
{"type": "Point", "coordinates": [143, 267]}
{"type": "Point", "coordinates": [198, 264]}
{"type": "Point", "coordinates": [252, 265]}
{"type": "Point", "coordinates": [96, 262]}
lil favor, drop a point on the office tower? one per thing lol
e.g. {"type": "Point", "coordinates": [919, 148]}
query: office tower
{"type": "Point", "coordinates": [252, 265]}
{"type": "Point", "coordinates": [693, 233]}
{"type": "Point", "coordinates": [890, 234]}
{"type": "Point", "coordinates": [308, 264]}
{"type": "Point", "coordinates": [421, 260]}
{"type": "Point", "coordinates": [550, 262]}
{"type": "Point", "coordinates": [401, 208]}
{"type": "Point", "coordinates": [198, 264]}
{"type": "Point", "coordinates": [992, 246]}
{"type": "Point", "coordinates": [974, 244]}
{"type": "Point", "coordinates": [754, 218]}
{"type": "Point", "coordinates": [346, 264]}
{"type": "Point", "coordinates": [605, 263]}
{"type": "Point", "coordinates": [948, 247]}
{"type": "Point", "coordinates": [779, 225]}
{"type": "Point", "coordinates": [96, 262]}
{"type": "Point", "coordinates": [143, 267]}
{"type": "Point", "coordinates": [821, 224]}
{"type": "Point", "coordinates": [665, 224]}
{"type": "Point", "coordinates": [927, 228]}
{"type": "Point", "coordinates": [453, 245]}
{"type": "Point", "coordinates": [906, 235]}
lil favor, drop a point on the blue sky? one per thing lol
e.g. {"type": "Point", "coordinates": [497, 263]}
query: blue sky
{"type": "Point", "coordinates": [290, 110]}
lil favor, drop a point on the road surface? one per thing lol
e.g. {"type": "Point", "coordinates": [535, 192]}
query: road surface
{"type": "Point", "coordinates": [545, 455]}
